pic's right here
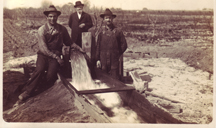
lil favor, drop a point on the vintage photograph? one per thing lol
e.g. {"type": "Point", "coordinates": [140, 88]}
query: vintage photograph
{"type": "Point", "coordinates": [108, 61]}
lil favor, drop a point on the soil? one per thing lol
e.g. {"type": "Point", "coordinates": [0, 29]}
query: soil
{"type": "Point", "coordinates": [54, 105]}
{"type": "Point", "coordinates": [173, 79]}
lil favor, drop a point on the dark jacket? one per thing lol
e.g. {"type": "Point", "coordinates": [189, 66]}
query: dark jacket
{"type": "Point", "coordinates": [74, 23]}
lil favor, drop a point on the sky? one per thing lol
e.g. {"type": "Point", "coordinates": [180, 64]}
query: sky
{"type": "Point", "coordinates": [124, 4]}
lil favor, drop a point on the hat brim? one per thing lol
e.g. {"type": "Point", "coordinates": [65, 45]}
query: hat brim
{"type": "Point", "coordinates": [47, 12]}
{"type": "Point", "coordinates": [102, 15]}
{"type": "Point", "coordinates": [78, 5]}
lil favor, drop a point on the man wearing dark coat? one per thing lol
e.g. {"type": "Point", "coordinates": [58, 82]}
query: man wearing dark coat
{"type": "Point", "coordinates": [79, 22]}
{"type": "Point", "coordinates": [111, 44]}
{"type": "Point", "coordinates": [51, 38]}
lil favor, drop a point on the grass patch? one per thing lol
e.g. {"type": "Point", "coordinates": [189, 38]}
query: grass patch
{"type": "Point", "coordinates": [197, 57]}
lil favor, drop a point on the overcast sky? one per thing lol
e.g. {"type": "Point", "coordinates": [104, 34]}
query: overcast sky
{"type": "Point", "coordinates": [124, 4]}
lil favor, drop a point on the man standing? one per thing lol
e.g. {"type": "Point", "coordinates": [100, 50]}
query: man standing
{"type": "Point", "coordinates": [111, 45]}
{"type": "Point", "coordinates": [51, 38]}
{"type": "Point", "coordinates": [79, 22]}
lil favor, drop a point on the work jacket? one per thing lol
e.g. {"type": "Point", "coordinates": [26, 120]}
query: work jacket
{"type": "Point", "coordinates": [51, 40]}
{"type": "Point", "coordinates": [111, 44]}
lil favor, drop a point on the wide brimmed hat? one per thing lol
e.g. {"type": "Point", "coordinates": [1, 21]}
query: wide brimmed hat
{"type": "Point", "coordinates": [78, 3]}
{"type": "Point", "coordinates": [107, 12]}
{"type": "Point", "coordinates": [52, 9]}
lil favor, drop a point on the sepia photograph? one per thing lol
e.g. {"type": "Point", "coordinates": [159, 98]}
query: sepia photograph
{"type": "Point", "coordinates": [129, 63]}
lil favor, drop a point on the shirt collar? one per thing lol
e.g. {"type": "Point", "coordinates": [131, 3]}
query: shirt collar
{"type": "Point", "coordinates": [79, 14]}
{"type": "Point", "coordinates": [110, 28]}
{"type": "Point", "coordinates": [52, 27]}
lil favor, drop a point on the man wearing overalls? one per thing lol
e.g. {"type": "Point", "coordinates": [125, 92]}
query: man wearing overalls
{"type": "Point", "coordinates": [111, 44]}
{"type": "Point", "coordinates": [51, 38]}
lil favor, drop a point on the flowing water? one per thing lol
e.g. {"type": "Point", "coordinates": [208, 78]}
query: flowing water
{"type": "Point", "coordinates": [81, 80]}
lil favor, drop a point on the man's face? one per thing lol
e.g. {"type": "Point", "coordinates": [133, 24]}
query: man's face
{"type": "Point", "coordinates": [79, 9]}
{"type": "Point", "coordinates": [108, 20]}
{"type": "Point", "coordinates": [52, 18]}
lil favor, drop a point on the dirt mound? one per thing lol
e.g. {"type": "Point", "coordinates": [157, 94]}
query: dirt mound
{"type": "Point", "coordinates": [54, 105]}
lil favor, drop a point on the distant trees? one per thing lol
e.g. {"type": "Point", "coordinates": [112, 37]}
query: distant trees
{"type": "Point", "coordinates": [144, 9]}
{"type": "Point", "coordinates": [68, 8]}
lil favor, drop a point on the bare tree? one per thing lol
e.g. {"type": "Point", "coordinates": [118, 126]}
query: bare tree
{"type": "Point", "coordinates": [45, 4]}
{"type": "Point", "coordinates": [67, 8]}
{"type": "Point", "coordinates": [87, 5]}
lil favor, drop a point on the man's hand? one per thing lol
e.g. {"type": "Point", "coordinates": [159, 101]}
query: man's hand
{"type": "Point", "coordinates": [77, 47]}
{"type": "Point", "coordinates": [82, 25]}
{"type": "Point", "coordinates": [98, 64]}
{"type": "Point", "coordinates": [60, 61]}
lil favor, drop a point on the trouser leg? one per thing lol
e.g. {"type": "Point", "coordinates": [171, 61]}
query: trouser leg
{"type": "Point", "coordinates": [52, 70]}
{"type": "Point", "coordinates": [37, 75]}
{"type": "Point", "coordinates": [114, 70]}
{"type": "Point", "coordinates": [114, 73]}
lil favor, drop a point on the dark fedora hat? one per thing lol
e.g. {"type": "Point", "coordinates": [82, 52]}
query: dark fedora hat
{"type": "Point", "coordinates": [78, 3]}
{"type": "Point", "coordinates": [51, 9]}
{"type": "Point", "coordinates": [107, 12]}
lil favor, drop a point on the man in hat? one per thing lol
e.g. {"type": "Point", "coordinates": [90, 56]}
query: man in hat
{"type": "Point", "coordinates": [51, 38]}
{"type": "Point", "coordinates": [79, 22]}
{"type": "Point", "coordinates": [111, 45]}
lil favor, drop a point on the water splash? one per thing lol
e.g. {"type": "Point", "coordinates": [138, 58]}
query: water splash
{"type": "Point", "coordinates": [81, 77]}
{"type": "Point", "coordinates": [82, 80]}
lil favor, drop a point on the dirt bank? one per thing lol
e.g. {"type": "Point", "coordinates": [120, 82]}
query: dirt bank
{"type": "Point", "coordinates": [54, 105]}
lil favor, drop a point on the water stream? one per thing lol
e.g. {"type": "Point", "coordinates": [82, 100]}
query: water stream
{"type": "Point", "coordinates": [81, 80]}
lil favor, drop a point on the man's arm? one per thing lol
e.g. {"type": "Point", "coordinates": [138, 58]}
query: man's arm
{"type": "Point", "coordinates": [98, 47]}
{"type": "Point", "coordinates": [68, 42]}
{"type": "Point", "coordinates": [66, 38]}
{"type": "Point", "coordinates": [70, 21]}
{"type": "Point", "coordinates": [98, 63]}
{"type": "Point", "coordinates": [42, 43]}
{"type": "Point", "coordinates": [123, 43]}
{"type": "Point", "coordinates": [88, 23]}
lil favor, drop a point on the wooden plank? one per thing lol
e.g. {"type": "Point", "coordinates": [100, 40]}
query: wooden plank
{"type": "Point", "coordinates": [139, 85]}
{"type": "Point", "coordinates": [150, 112]}
{"type": "Point", "coordinates": [162, 97]}
{"type": "Point", "coordinates": [136, 55]}
{"type": "Point", "coordinates": [106, 90]}
{"type": "Point", "coordinates": [67, 83]}
{"type": "Point", "coordinates": [86, 42]}
{"type": "Point", "coordinates": [134, 75]}
{"type": "Point", "coordinates": [175, 109]}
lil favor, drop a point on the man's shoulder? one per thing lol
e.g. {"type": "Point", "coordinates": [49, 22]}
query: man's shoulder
{"type": "Point", "coordinates": [42, 28]}
{"type": "Point", "coordinates": [102, 29]}
{"type": "Point", "coordinates": [85, 13]}
{"type": "Point", "coordinates": [117, 29]}
{"type": "Point", "coordinates": [74, 13]}
{"type": "Point", "coordinates": [62, 27]}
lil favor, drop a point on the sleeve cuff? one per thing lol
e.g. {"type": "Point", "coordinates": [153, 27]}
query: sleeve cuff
{"type": "Point", "coordinates": [54, 56]}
